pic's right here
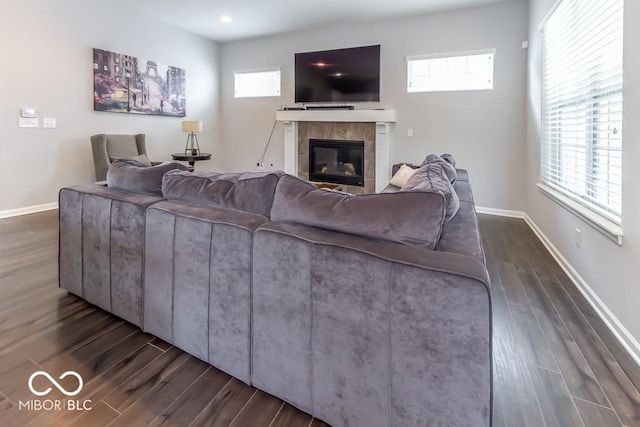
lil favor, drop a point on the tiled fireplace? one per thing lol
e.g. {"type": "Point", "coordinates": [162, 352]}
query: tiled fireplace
{"type": "Point", "coordinates": [345, 133]}
{"type": "Point", "coordinates": [370, 128]}
{"type": "Point", "coordinates": [336, 161]}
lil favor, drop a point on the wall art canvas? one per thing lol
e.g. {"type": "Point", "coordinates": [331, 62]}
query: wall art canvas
{"type": "Point", "coordinates": [126, 84]}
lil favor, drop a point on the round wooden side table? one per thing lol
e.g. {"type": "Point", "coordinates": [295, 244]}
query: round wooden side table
{"type": "Point", "coordinates": [191, 158]}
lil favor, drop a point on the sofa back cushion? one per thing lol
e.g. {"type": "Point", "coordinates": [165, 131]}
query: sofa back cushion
{"type": "Point", "coordinates": [131, 175]}
{"type": "Point", "coordinates": [433, 176]}
{"type": "Point", "coordinates": [249, 191]}
{"type": "Point", "coordinates": [447, 167]}
{"type": "Point", "coordinates": [413, 218]}
{"type": "Point", "coordinates": [449, 159]}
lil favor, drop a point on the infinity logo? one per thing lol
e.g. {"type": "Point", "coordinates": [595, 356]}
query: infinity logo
{"type": "Point", "coordinates": [55, 383]}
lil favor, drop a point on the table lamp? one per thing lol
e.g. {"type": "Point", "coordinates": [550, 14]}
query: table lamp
{"type": "Point", "coordinates": [192, 126]}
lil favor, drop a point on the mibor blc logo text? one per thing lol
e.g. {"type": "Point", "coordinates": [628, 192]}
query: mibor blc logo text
{"type": "Point", "coordinates": [54, 404]}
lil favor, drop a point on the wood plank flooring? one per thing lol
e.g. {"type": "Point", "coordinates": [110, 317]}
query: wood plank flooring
{"type": "Point", "coordinates": [555, 362]}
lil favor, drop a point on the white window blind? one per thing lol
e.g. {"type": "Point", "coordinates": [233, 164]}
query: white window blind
{"type": "Point", "coordinates": [249, 84]}
{"type": "Point", "coordinates": [450, 72]}
{"type": "Point", "coordinates": [581, 152]}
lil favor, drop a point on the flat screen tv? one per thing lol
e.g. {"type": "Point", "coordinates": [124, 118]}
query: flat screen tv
{"type": "Point", "coordinates": [340, 75]}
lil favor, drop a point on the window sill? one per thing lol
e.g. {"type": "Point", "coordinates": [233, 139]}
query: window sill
{"type": "Point", "coordinates": [605, 226]}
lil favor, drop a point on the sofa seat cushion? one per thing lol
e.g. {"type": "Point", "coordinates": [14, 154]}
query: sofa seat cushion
{"type": "Point", "coordinates": [461, 235]}
{"type": "Point", "coordinates": [463, 190]}
{"type": "Point", "coordinates": [413, 218]}
{"type": "Point", "coordinates": [249, 192]}
{"type": "Point", "coordinates": [432, 177]}
{"type": "Point", "coordinates": [131, 175]}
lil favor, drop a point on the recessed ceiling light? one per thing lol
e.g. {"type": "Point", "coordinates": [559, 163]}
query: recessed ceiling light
{"type": "Point", "coordinates": [226, 19]}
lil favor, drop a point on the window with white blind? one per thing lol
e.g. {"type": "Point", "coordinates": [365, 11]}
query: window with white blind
{"type": "Point", "coordinates": [450, 71]}
{"type": "Point", "coordinates": [581, 152]}
{"type": "Point", "coordinates": [249, 84]}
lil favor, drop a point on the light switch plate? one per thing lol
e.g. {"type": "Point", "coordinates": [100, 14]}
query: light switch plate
{"type": "Point", "coordinates": [49, 123]}
{"type": "Point", "coordinates": [28, 122]}
{"type": "Point", "coordinates": [28, 112]}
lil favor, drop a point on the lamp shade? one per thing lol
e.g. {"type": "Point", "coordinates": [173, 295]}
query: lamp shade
{"type": "Point", "coordinates": [191, 126]}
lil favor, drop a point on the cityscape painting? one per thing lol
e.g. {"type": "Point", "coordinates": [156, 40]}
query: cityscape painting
{"type": "Point", "coordinates": [126, 84]}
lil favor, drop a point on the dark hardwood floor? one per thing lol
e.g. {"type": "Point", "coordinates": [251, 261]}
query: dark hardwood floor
{"type": "Point", "coordinates": [555, 362]}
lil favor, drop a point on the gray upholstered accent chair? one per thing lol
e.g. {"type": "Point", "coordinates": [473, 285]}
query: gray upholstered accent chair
{"type": "Point", "coordinates": [107, 148]}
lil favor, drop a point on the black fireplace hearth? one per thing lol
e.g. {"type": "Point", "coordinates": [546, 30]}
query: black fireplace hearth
{"type": "Point", "coordinates": [336, 161]}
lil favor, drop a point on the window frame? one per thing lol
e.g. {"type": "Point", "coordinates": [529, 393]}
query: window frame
{"type": "Point", "coordinates": [449, 55]}
{"type": "Point", "coordinates": [586, 206]}
{"type": "Point", "coordinates": [258, 71]}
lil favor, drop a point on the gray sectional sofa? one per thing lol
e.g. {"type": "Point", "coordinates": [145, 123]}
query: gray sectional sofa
{"type": "Point", "coordinates": [370, 310]}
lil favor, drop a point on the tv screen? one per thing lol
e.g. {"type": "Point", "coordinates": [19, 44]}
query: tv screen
{"type": "Point", "coordinates": [341, 75]}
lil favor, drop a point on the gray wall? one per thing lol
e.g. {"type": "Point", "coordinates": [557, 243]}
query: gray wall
{"type": "Point", "coordinates": [609, 270]}
{"type": "Point", "coordinates": [46, 63]}
{"type": "Point", "coordinates": [483, 129]}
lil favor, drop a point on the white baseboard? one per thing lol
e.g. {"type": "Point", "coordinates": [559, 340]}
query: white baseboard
{"type": "Point", "coordinates": [619, 331]}
{"type": "Point", "coordinates": [500, 212]}
{"type": "Point", "coordinates": [28, 210]}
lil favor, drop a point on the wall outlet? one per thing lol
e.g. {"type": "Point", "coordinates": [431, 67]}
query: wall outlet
{"type": "Point", "coordinates": [409, 132]}
{"type": "Point", "coordinates": [578, 238]}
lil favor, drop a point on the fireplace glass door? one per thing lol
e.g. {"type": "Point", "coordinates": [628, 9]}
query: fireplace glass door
{"type": "Point", "coordinates": [336, 161]}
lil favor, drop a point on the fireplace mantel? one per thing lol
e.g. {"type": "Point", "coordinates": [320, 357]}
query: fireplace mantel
{"type": "Point", "coordinates": [379, 116]}
{"type": "Point", "coordinates": [382, 118]}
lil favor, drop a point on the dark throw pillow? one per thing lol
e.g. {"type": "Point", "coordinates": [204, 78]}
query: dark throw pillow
{"type": "Point", "coordinates": [131, 175]}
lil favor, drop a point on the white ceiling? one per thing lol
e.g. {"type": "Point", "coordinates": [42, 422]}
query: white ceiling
{"type": "Point", "coordinates": [257, 18]}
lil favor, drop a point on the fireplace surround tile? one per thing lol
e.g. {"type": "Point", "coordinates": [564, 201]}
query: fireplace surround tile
{"type": "Point", "coordinates": [370, 152]}
{"type": "Point", "coordinates": [357, 131]}
{"type": "Point", "coordinates": [303, 164]}
{"type": "Point", "coordinates": [336, 130]}
{"type": "Point", "coordinates": [369, 168]}
{"type": "Point", "coordinates": [369, 186]}
{"type": "Point", "coordinates": [304, 133]}
{"type": "Point", "coordinates": [370, 134]}
{"type": "Point", "coordinates": [316, 130]}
